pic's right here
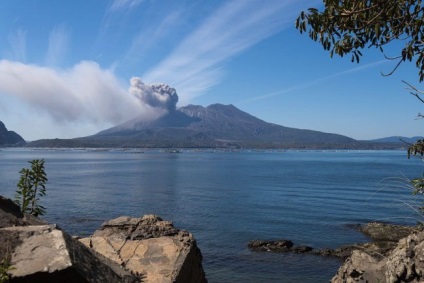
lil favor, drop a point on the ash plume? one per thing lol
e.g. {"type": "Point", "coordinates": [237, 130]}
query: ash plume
{"type": "Point", "coordinates": [156, 95]}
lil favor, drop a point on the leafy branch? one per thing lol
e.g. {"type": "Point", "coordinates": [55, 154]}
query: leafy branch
{"type": "Point", "coordinates": [31, 186]}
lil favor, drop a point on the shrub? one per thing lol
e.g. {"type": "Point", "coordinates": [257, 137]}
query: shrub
{"type": "Point", "coordinates": [31, 186]}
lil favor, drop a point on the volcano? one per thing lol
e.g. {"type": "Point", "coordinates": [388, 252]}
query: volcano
{"type": "Point", "coordinates": [214, 126]}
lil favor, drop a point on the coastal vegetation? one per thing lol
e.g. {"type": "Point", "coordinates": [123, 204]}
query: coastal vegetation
{"type": "Point", "coordinates": [31, 186]}
{"type": "Point", "coordinates": [5, 267]}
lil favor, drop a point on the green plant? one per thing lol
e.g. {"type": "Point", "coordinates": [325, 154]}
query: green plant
{"type": "Point", "coordinates": [31, 186]}
{"type": "Point", "coordinates": [5, 267]}
{"type": "Point", "coordinates": [348, 26]}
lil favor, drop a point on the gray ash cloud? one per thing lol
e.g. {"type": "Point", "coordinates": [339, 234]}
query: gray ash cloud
{"type": "Point", "coordinates": [156, 95]}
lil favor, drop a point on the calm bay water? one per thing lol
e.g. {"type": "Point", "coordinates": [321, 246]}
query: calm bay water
{"type": "Point", "coordinates": [227, 199]}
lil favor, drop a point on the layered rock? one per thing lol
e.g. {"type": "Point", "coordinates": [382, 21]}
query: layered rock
{"type": "Point", "coordinates": [151, 248]}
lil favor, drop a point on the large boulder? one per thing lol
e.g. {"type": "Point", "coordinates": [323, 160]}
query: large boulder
{"type": "Point", "coordinates": [150, 248]}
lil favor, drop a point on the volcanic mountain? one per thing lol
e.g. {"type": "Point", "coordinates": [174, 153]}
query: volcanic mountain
{"type": "Point", "coordinates": [214, 126]}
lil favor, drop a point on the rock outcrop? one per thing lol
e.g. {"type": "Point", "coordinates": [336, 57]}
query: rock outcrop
{"type": "Point", "coordinates": [125, 249]}
{"type": "Point", "coordinates": [150, 248]}
{"type": "Point", "coordinates": [403, 264]}
{"type": "Point", "coordinates": [287, 246]}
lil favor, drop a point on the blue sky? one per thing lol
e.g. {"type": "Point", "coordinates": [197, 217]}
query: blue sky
{"type": "Point", "coordinates": [66, 66]}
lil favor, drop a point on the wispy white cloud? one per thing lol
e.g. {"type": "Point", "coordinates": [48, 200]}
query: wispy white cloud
{"type": "Point", "coordinates": [315, 81]}
{"type": "Point", "coordinates": [121, 4]}
{"type": "Point", "coordinates": [231, 29]}
{"type": "Point", "coordinates": [149, 37]}
{"type": "Point", "coordinates": [58, 45]}
{"type": "Point", "coordinates": [17, 41]}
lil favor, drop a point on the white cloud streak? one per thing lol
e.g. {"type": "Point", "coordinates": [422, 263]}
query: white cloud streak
{"type": "Point", "coordinates": [58, 45]}
{"type": "Point", "coordinates": [310, 83]}
{"type": "Point", "coordinates": [121, 4]}
{"type": "Point", "coordinates": [148, 38]}
{"type": "Point", "coordinates": [17, 43]}
{"type": "Point", "coordinates": [195, 65]}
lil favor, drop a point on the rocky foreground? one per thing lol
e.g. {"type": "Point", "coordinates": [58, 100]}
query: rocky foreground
{"type": "Point", "coordinates": [149, 249]}
{"type": "Point", "coordinates": [125, 249]}
{"type": "Point", "coordinates": [387, 260]}
{"type": "Point", "coordinates": [395, 254]}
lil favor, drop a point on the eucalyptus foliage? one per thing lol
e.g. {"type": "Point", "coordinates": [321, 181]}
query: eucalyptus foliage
{"type": "Point", "coordinates": [348, 26]}
{"type": "Point", "coordinates": [31, 186]}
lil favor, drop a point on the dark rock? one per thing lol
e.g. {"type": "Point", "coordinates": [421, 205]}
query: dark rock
{"type": "Point", "coordinates": [11, 215]}
{"type": "Point", "coordinates": [342, 252]}
{"type": "Point", "coordinates": [271, 246]}
{"type": "Point", "coordinates": [378, 231]}
{"type": "Point", "coordinates": [384, 236]}
{"type": "Point", "coordinates": [302, 249]}
{"type": "Point", "coordinates": [324, 252]}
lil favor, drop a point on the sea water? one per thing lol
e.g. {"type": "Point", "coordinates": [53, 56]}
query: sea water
{"type": "Point", "coordinates": [227, 199]}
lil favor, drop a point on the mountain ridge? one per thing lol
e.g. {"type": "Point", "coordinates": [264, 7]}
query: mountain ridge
{"type": "Point", "coordinates": [9, 138]}
{"type": "Point", "coordinates": [398, 139]}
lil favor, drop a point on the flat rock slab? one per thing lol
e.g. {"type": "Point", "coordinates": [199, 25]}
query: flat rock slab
{"type": "Point", "coordinates": [47, 254]}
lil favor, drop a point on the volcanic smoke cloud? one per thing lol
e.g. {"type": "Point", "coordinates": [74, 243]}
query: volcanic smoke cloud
{"type": "Point", "coordinates": [156, 95]}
